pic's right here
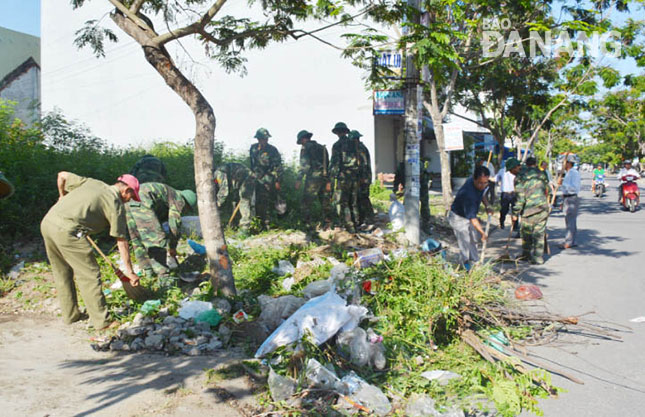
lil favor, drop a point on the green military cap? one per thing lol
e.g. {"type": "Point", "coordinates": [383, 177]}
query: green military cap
{"type": "Point", "coordinates": [511, 163]}
{"type": "Point", "coordinates": [6, 188]}
{"type": "Point", "coordinates": [340, 127]}
{"type": "Point", "coordinates": [190, 197]}
{"type": "Point", "coordinates": [262, 133]}
{"type": "Point", "coordinates": [354, 134]}
{"type": "Point", "coordinates": [303, 134]}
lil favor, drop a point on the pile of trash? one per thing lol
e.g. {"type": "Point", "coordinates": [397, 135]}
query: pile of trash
{"type": "Point", "coordinates": [191, 333]}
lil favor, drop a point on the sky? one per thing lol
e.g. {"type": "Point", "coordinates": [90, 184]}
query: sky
{"type": "Point", "coordinates": [21, 16]}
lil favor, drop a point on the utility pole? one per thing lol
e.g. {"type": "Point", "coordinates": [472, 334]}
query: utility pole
{"type": "Point", "coordinates": [413, 131]}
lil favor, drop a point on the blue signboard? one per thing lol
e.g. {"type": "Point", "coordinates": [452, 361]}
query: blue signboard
{"type": "Point", "coordinates": [389, 102]}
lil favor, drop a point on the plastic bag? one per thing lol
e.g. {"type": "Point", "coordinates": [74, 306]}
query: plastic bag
{"type": "Point", "coordinates": [316, 289]}
{"type": "Point", "coordinates": [421, 406]}
{"type": "Point", "coordinates": [280, 386]}
{"type": "Point", "coordinates": [211, 317]}
{"type": "Point", "coordinates": [322, 317]}
{"type": "Point", "coordinates": [430, 245]}
{"type": "Point", "coordinates": [396, 213]}
{"type": "Point", "coordinates": [528, 292]}
{"type": "Point", "coordinates": [275, 310]}
{"type": "Point", "coordinates": [366, 395]}
{"type": "Point", "coordinates": [338, 272]}
{"type": "Point", "coordinates": [197, 247]}
{"type": "Point", "coordinates": [362, 351]}
{"type": "Point", "coordinates": [284, 268]}
{"type": "Point", "coordinates": [441, 376]}
{"type": "Point", "coordinates": [191, 309]}
{"type": "Point", "coordinates": [368, 257]}
{"type": "Point", "coordinates": [320, 377]}
{"type": "Point", "coordinates": [150, 307]}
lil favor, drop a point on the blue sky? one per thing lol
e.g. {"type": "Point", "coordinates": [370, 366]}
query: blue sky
{"type": "Point", "coordinates": [21, 15]}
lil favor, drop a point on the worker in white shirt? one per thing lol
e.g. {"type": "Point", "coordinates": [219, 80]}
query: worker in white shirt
{"type": "Point", "coordinates": [625, 170]}
{"type": "Point", "coordinates": [490, 191]}
{"type": "Point", "coordinates": [506, 180]}
{"type": "Point", "coordinates": [570, 189]}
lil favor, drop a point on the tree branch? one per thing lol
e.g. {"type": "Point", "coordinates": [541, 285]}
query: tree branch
{"type": "Point", "coordinates": [136, 6]}
{"type": "Point", "coordinates": [136, 19]}
{"type": "Point", "coordinates": [193, 28]}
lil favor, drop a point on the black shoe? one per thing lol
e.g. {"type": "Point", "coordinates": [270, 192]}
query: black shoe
{"type": "Point", "coordinates": [501, 226]}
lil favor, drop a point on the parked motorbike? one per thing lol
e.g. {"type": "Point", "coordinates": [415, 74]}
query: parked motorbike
{"type": "Point", "coordinates": [631, 194]}
{"type": "Point", "coordinates": [599, 187]}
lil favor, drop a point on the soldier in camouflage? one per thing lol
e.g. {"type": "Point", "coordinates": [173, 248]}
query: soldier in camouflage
{"type": "Point", "coordinates": [266, 165]}
{"type": "Point", "coordinates": [345, 168]}
{"type": "Point", "coordinates": [314, 162]}
{"type": "Point", "coordinates": [236, 181]}
{"type": "Point", "coordinates": [159, 203]}
{"type": "Point", "coordinates": [149, 169]}
{"type": "Point", "coordinates": [531, 190]}
{"type": "Point", "coordinates": [365, 209]}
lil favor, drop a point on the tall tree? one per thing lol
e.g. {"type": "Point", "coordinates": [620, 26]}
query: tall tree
{"type": "Point", "coordinates": [225, 39]}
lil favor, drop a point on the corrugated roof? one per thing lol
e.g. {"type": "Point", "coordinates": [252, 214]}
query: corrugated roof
{"type": "Point", "coordinates": [15, 49]}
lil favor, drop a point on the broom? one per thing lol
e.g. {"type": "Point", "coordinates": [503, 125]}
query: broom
{"type": "Point", "coordinates": [137, 293]}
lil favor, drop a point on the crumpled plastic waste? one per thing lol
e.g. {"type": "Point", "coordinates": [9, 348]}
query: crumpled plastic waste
{"type": "Point", "coordinates": [441, 376]}
{"type": "Point", "coordinates": [322, 317]}
{"type": "Point", "coordinates": [421, 405]}
{"type": "Point", "coordinates": [396, 213]}
{"type": "Point", "coordinates": [364, 395]}
{"type": "Point", "coordinates": [191, 309]}
{"type": "Point", "coordinates": [320, 377]}
{"type": "Point", "coordinates": [150, 307]}
{"type": "Point", "coordinates": [316, 288]}
{"type": "Point", "coordinates": [211, 317]}
{"type": "Point", "coordinates": [368, 257]}
{"type": "Point", "coordinates": [287, 283]}
{"type": "Point", "coordinates": [15, 271]}
{"type": "Point", "coordinates": [430, 245]}
{"type": "Point", "coordinates": [361, 350]}
{"type": "Point", "coordinates": [497, 341]}
{"type": "Point", "coordinates": [280, 386]}
{"type": "Point", "coordinates": [528, 292]}
{"type": "Point", "coordinates": [284, 268]}
{"type": "Point", "coordinates": [196, 247]}
{"type": "Point", "coordinates": [275, 310]}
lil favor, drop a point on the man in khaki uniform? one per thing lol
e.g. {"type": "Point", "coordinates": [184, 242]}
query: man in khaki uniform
{"type": "Point", "coordinates": [86, 206]}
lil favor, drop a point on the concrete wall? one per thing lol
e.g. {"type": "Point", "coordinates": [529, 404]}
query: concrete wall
{"type": "Point", "coordinates": [385, 143]}
{"type": "Point", "coordinates": [25, 90]}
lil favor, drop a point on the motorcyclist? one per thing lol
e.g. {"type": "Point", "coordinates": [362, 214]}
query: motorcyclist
{"type": "Point", "coordinates": [626, 170]}
{"type": "Point", "coordinates": [599, 172]}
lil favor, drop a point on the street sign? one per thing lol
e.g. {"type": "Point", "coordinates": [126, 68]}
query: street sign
{"type": "Point", "coordinates": [454, 137]}
{"type": "Point", "coordinates": [389, 102]}
{"type": "Point", "coordinates": [392, 60]}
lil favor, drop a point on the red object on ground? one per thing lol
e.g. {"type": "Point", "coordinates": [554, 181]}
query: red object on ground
{"type": "Point", "coordinates": [528, 292]}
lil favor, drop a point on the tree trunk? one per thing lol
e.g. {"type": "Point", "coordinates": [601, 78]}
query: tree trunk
{"type": "Point", "coordinates": [444, 156]}
{"type": "Point", "coordinates": [216, 250]}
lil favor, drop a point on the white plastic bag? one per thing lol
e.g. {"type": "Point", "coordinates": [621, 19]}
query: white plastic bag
{"type": "Point", "coordinates": [191, 309]}
{"type": "Point", "coordinates": [396, 213]}
{"type": "Point", "coordinates": [284, 268]}
{"type": "Point", "coordinates": [322, 317]}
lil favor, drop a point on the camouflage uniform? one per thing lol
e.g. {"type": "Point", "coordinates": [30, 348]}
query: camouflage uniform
{"type": "Point", "coordinates": [531, 188]}
{"type": "Point", "coordinates": [314, 161]}
{"type": "Point", "coordinates": [365, 209]}
{"type": "Point", "coordinates": [345, 167]}
{"type": "Point", "coordinates": [266, 165]}
{"type": "Point", "coordinates": [237, 181]}
{"type": "Point", "coordinates": [159, 203]}
{"type": "Point", "coordinates": [149, 169]}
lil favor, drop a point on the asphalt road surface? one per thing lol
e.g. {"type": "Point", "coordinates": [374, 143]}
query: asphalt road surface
{"type": "Point", "coordinates": [605, 273]}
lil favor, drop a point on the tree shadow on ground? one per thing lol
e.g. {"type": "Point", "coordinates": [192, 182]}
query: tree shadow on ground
{"type": "Point", "coordinates": [131, 374]}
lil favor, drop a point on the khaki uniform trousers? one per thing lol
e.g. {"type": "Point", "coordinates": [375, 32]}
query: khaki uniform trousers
{"type": "Point", "coordinates": [72, 260]}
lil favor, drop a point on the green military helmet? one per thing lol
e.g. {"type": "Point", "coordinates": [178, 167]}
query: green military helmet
{"type": "Point", "coordinates": [354, 134]}
{"type": "Point", "coordinates": [303, 134]}
{"type": "Point", "coordinates": [340, 127]}
{"type": "Point", "coordinates": [511, 163]}
{"type": "Point", "coordinates": [262, 133]}
{"type": "Point", "coordinates": [190, 197]}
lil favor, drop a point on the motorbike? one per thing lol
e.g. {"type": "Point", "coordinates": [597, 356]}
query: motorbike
{"type": "Point", "coordinates": [631, 194]}
{"type": "Point", "coordinates": [599, 187]}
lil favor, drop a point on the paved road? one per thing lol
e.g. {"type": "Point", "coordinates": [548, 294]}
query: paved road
{"type": "Point", "coordinates": [605, 274]}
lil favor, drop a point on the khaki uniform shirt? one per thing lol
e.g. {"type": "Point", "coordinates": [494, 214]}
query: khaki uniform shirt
{"type": "Point", "coordinates": [90, 206]}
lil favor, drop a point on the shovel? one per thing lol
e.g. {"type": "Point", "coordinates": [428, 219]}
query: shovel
{"type": "Point", "coordinates": [137, 293]}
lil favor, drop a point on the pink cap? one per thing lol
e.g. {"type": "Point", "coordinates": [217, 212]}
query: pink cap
{"type": "Point", "coordinates": [132, 182]}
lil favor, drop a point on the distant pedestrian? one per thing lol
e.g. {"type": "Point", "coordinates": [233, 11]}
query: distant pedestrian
{"type": "Point", "coordinates": [159, 203]}
{"type": "Point", "coordinates": [150, 169]}
{"type": "Point", "coordinates": [463, 215]}
{"type": "Point", "coordinates": [570, 189]}
{"type": "Point", "coordinates": [86, 206]}
{"type": "Point", "coordinates": [314, 168]}
{"type": "Point", "coordinates": [365, 209]}
{"type": "Point", "coordinates": [344, 169]}
{"type": "Point", "coordinates": [506, 181]}
{"type": "Point", "coordinates": [531, 190]}
{"type": "Point", "coordinates": [235, 183]}
{"type": "Point", "coordinates": [266, 164]}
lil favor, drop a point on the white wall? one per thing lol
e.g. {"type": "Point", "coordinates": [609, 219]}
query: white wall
{"type": "Point", "coordinates": [292, 86]}
{"type": "Point", "coordinates": [25, 90]}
